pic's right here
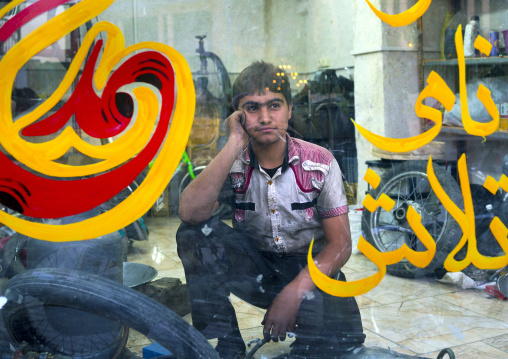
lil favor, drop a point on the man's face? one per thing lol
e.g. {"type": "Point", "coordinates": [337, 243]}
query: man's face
{"type": "Point", "coordinates": [267, 117]}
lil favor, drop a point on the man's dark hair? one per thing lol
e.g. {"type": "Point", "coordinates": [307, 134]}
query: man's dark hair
{"type": "Point", "coordinates": [259, 78]}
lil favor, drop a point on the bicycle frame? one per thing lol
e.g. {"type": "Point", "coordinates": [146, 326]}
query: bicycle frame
{"type": "Point", "coordinates": [185, 163]}
{"type": "Point", "coordinates": [190, 165]}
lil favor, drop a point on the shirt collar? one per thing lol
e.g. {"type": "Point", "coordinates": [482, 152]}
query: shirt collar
{"type": "Point", "coordinates": [249, 157]}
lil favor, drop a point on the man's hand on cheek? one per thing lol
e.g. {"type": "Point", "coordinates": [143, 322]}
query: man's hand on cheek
{"type": "Point", "coordinates": [280, 317]}
{"type": "Point", "coordinates": [235, 125]}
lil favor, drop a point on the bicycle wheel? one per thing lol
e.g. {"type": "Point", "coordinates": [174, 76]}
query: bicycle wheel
{"type": "Point", "coordinates": [407, 184]}
{"type": "Point", "coordinates": [100, 297]}
{"type": "Point", "coordinates": [223, 208]}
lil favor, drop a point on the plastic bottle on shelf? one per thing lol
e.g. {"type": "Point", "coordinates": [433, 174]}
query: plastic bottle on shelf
{"type": "Point", "coordinates": [472, 31]}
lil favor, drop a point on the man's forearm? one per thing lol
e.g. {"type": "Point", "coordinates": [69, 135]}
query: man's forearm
{"type": "Point", "coordinates": [329, 261]}
{"type": "Point", "coordinates": [198, 200]}
{"type": "Point", "coordinates": [331, 258]}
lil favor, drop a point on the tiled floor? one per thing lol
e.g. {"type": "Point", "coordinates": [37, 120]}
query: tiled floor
{"type": "Point", "coordinates": [410, 316]}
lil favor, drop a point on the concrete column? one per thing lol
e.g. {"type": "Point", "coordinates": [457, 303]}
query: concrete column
{"type": "Point", "coordinates": [386, 78]}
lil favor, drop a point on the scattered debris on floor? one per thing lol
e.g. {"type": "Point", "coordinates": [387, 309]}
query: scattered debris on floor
{"type": "Point", "coordinates": [169, 292]}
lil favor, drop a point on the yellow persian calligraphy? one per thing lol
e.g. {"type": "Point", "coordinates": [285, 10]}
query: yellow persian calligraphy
{"type": "Point", "coordinates": [148, 104]}
{"type": "Point", "coordinates": [466, 221]}
{"type": "Point", "coordinates": [41, 156]}
{"type": "Point", "coordinates": [405, 18]}
{"type": "Point", "coordinates": [420, 259]}
{"type": "Point", "coordinates": [436, 88]}
{"type": "Point", "coordinates": [372, 178]}
{"type": "Point", "coordinates": [352, 288]}
{"type": "Point", "coordinates": [492, 185]}
{"type": "Point", "coordinates": [384, 202]}
{"type": "Point", "coordinates": [484, 95]}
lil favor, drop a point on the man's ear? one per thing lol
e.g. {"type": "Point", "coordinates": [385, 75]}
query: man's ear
{"type": "Point", "coordinates": [290, 107]}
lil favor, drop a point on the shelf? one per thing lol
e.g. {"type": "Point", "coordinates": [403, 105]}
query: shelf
{"type": "Point", "coordinates": [469, 61]}
{"type": "Point", "coordinates": [447, 131]}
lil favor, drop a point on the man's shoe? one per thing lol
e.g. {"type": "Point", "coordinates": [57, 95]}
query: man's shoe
{"type": "Point", "coordinates": [231, 347]}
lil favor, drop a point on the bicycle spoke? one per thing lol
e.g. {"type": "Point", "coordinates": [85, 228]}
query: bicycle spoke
{"type": "Point", "coordinates": [389, 242]}
{"type": "Point", "coordinates": [393, 228]}
{"type": "Point", "coordinates": [412, 243]}
{"type": "Point", "coordinates": [398, 192]}
{"type": "Point", "coordinates": [414, 187]}
{"type": "Point", "coordinates": [396, 242]}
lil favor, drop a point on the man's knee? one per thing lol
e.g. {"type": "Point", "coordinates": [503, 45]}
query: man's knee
{"type": "Point", "coordinates": [184, 234]}
{"type": "Point", "coordinates": [203, 238]}
{"type": "Point", "coordinates": [188, 234]}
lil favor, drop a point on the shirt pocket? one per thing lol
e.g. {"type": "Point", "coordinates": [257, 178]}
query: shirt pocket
{"type": "Point", "coordinates": [305, 207]}
{"type": "Point", "coordinates": [242, 210]}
